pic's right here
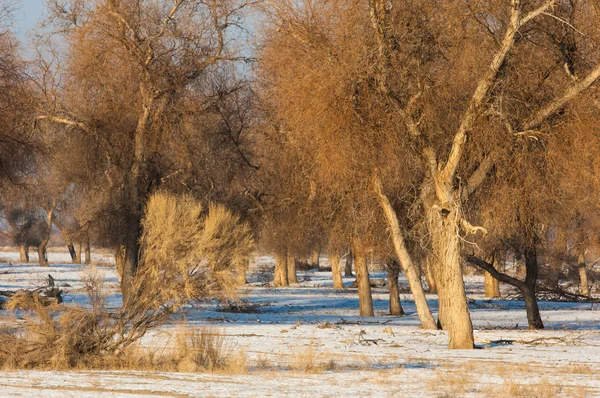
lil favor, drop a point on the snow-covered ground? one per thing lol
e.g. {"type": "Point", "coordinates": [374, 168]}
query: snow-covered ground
{"type": "Point", "coordinates": [354, 357]}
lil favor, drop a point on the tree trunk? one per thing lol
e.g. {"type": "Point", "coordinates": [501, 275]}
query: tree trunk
{"type": "Point", "coordinates": [453, 309]}
{"type": "Point", "coordinates": [556, 261]}
{"type": "Point", "coordinates": [491, 285]}
{"type": "Point", "coordinates": [69, 241]}
{"type": "Point", "coordinates": [429, 275]}
{"type": "Point", "coordinates": [280, 278]}
{"type": "Point", "coordinates": [393, 271]}
{"type": "Point", "coordinates": [363, 281]}
{"type": "Point", "coordinates": [314, 259]}
{"type": "Point", "coordinates": [88, 250]}
{"type": "Point", "coordinates": [336, 270]}
{"type": "Point", "coordinates": [529, 288]}
{"type": "Point", "coordinates": [130, 251]}
{"type": "Point", "coordinates": [23, 253]}
{"type": "Point", "coordinates": [584, 288]}
{"type": "Point", "coordinates": [348, 267]}
{"type": "Point", "coordinates": [42, 254]}
{"type": "Point", "coordinates": [409, 268]}
{"type": "Point", "coordinates": [80, 252]}
{"type": "Point", "coordinates": [292, 277]}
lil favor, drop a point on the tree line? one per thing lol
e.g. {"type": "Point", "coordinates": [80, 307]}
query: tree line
{"type": "Point", "coordinates": [429, 135]}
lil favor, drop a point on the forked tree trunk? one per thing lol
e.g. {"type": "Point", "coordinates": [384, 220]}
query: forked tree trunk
{"type": "Point", "coordinates": [23, 253]}
{"type": "Point", "coordinates": [280, 278]}
{"type": "Point", "coordinates": [292, 277]}
{"type": "Point", "coordinates": [336, 270]}
{"type": "Point", "coordinates": [584, 288]}
{"type": "Point", "coordinates": [362, 279]}
{"type": "Point", "coordinates": [491, 285]}
{"type": "Point", "coordinates": [453, 309]}
{"type": "Point", "coordinates": [409, 268]}
{"type": "Point", "coordinates": [348, 266]}
{"type": "Point", "coordinates": [393, 272]}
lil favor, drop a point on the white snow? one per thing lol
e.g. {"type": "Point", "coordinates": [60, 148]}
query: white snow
{"type": "Point", "coordinates": [383, 356]}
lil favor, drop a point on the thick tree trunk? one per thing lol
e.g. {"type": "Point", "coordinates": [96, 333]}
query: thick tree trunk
{"type": "Point", "coordinates": [291, 269]}
{"type": "Point", "coordinates": [23, 253]}
{"type": "Point", "coordinates": [584, 288]}
{"type": "Point", "coordinates": [409, 268]}
{"type": "Point", "coordinates": [491, 285]}
{"type": "Point", "coordinates": [336, 270]}
{"type": "Point", "coordinates": [348, 267]}
{"type": "Point", "coordinates": [362, 278]}
{"type": "Point", "coordinates": [280, 278]}
{"type": "Point", "coordinates": [453, 310]}
{"type": "Point", "coordinates": [393, 272]}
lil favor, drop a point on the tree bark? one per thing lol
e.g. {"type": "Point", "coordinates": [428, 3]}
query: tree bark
{"type": "Point", "coordinates": [336, 270]}
{"type": "Point", "coordinates": [280, 278]}
{"type": "Point", "coordinates": [584, 288]}
{"type": "Point", "coordinates": [393, 272]}
{"type": "Point", "coordinates": [363, 281]}
{"type": "Point", "coordinates": [409, 268]}
{"type": "Point", "coordinates": [348, 266]}
{"type": "Point", "coordinates": [453, 309]}
{"type": "Point", "coordinates": [23, 253]}
{"type": "Point", "coordinates": [491, 285]}
{"type": "Point", "coordinates": [292, 277]}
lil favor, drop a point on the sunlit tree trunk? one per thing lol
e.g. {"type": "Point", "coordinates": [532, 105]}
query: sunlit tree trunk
{"type": "Point", "coordinates": [292, 277]}
{"type": "Point", "coordinates": [362, 279]}
{"type": "Point", "coordinates": [23, 253]}
{"type": "Point", "coordinates": [453, 310]}
{"type": "Point", "coordinates": [584, 288]}
{"type": "Point", "coordinates": [280, 278]}
{"type": "Point", "coordinates": [491, 285]}
{"type": "Point", "coordinates": [336, 270]}
{"type": "Point", "coordinates": [409, 268]}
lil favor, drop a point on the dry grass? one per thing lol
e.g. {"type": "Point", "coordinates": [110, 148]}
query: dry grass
{"type": "Point", "coordinates": [450, 383]}
{"type": "Point", "coordinates": [310, 360]}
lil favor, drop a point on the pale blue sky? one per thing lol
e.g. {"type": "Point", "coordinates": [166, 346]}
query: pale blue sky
{"type": "Point", "coordinates": [27, 14]}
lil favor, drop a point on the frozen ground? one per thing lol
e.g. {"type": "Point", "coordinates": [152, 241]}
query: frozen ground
{"type": "Point", "coordinates": [356, 357]}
